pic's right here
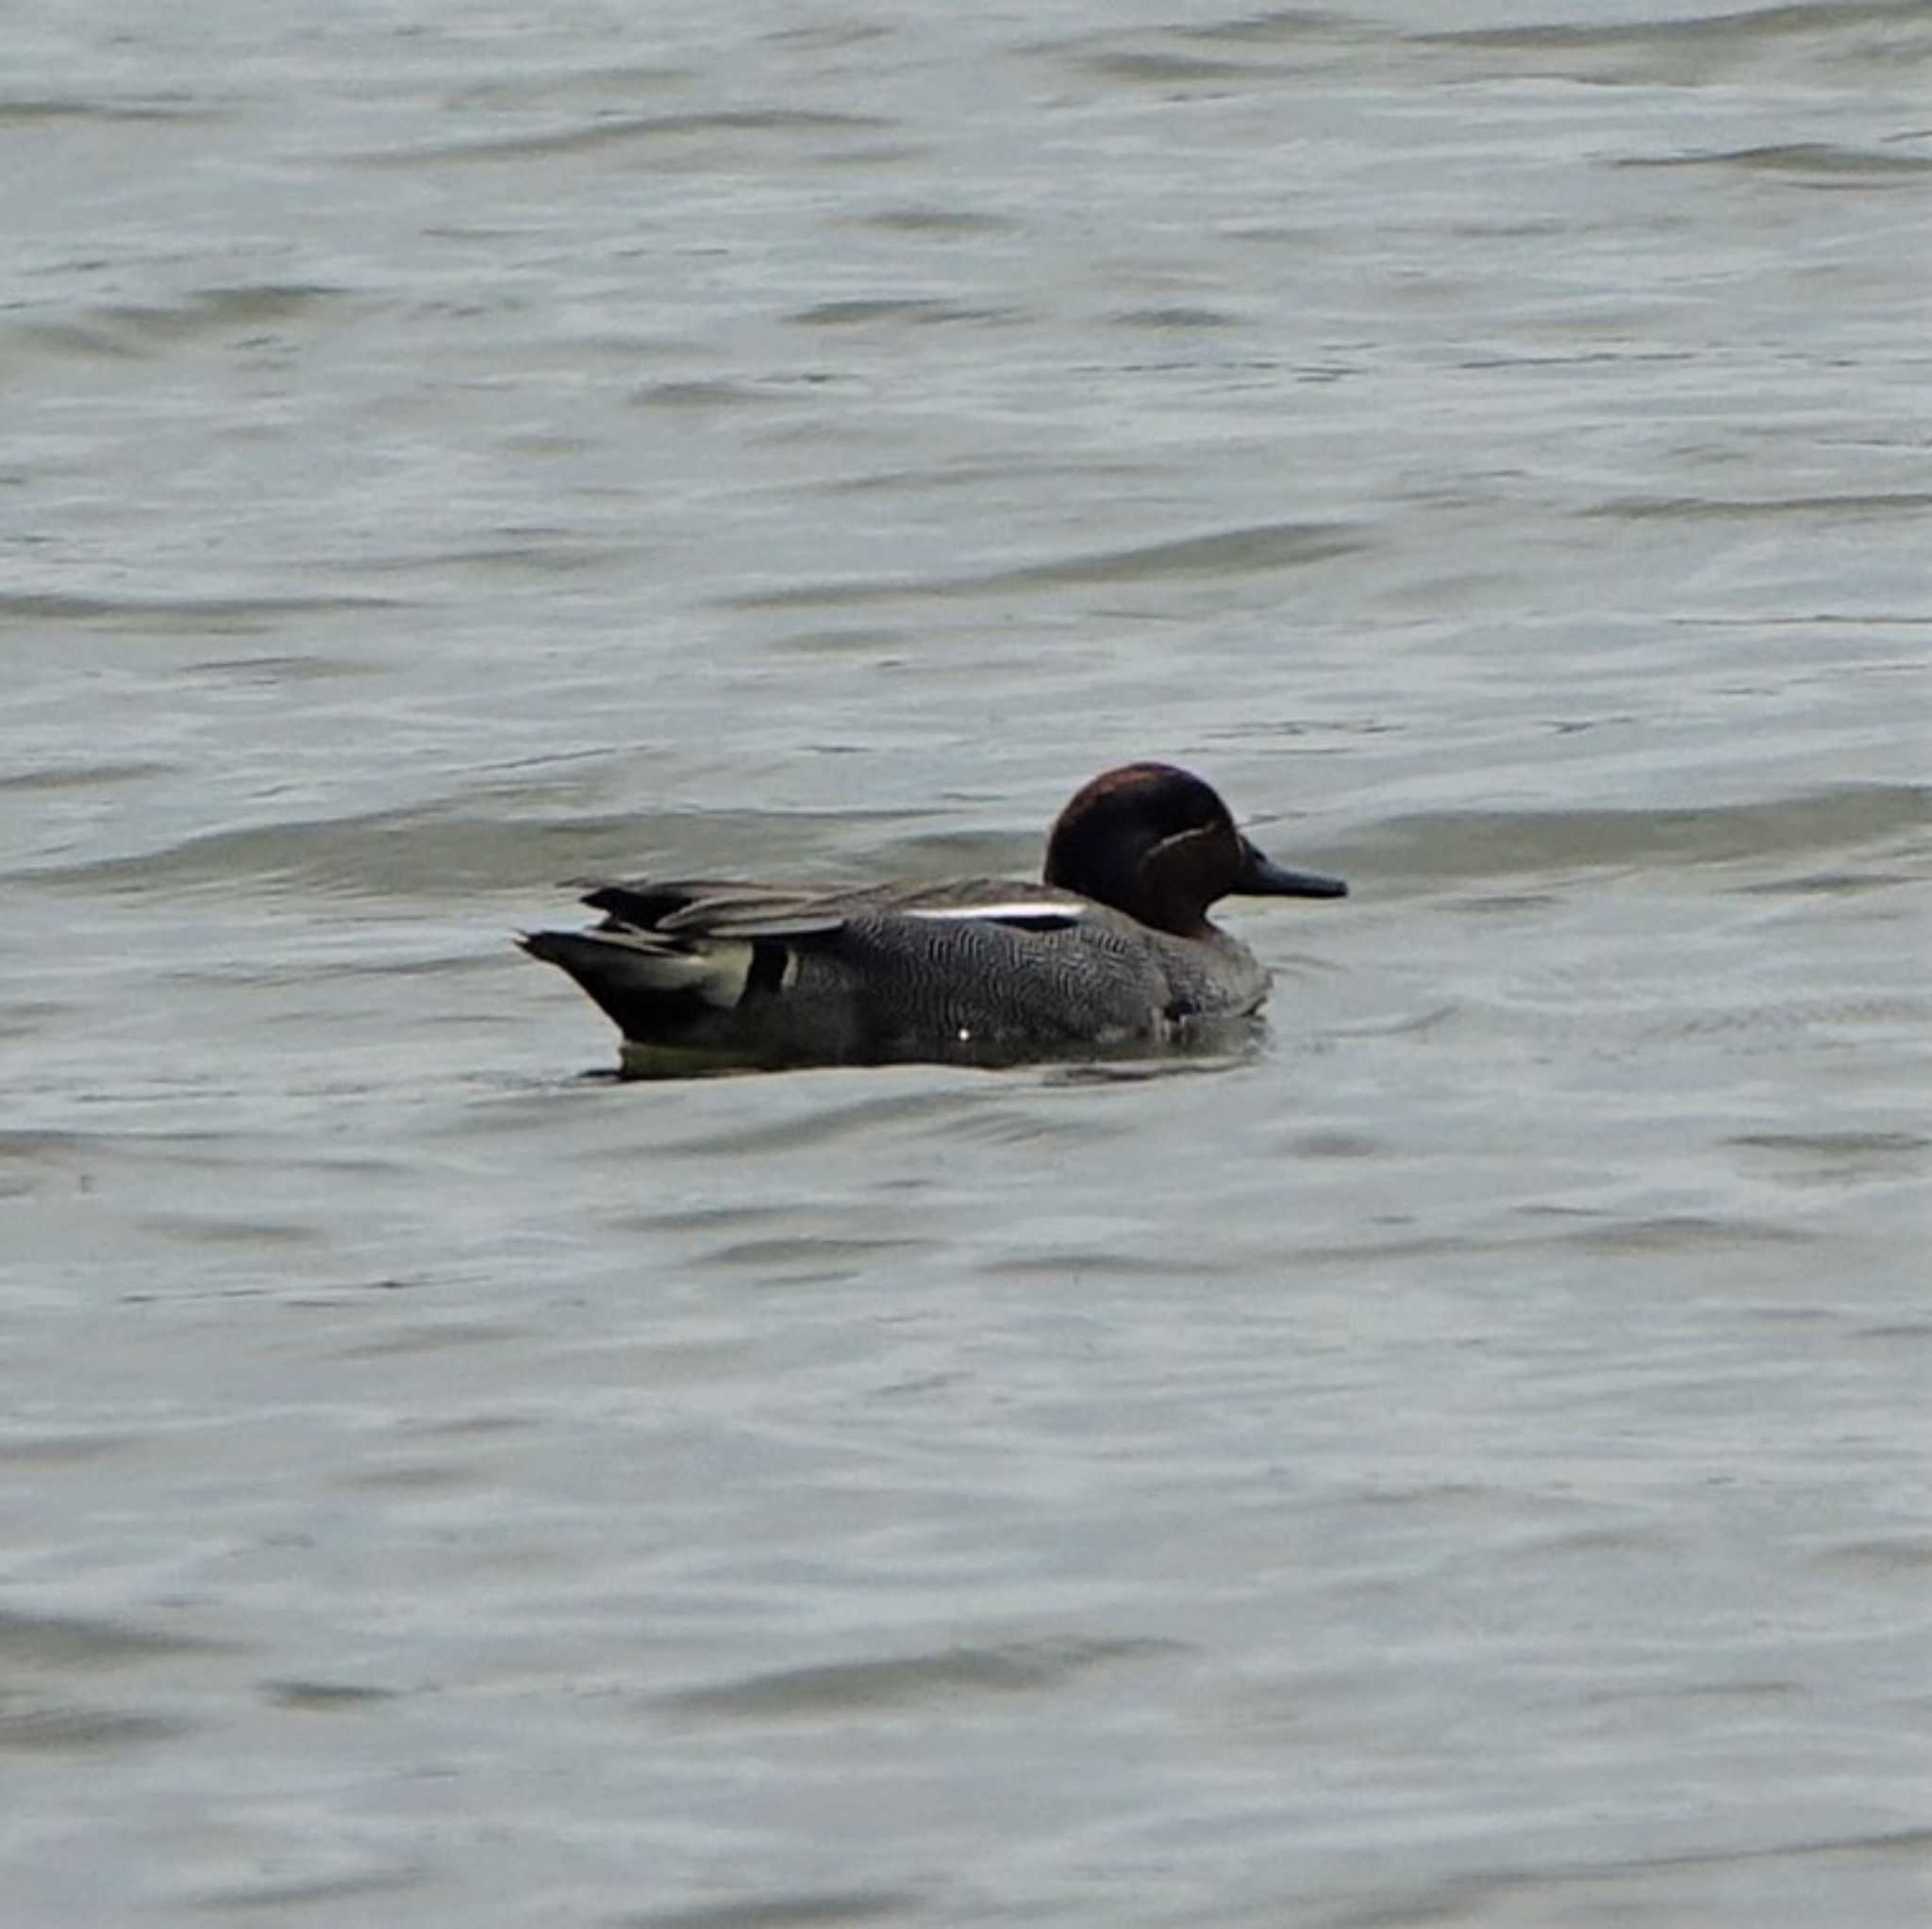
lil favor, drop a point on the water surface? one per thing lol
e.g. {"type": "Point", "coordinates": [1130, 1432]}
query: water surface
{"type": "Point", "coordinates": [1463, 1461]}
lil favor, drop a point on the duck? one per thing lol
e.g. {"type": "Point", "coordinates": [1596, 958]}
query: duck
{"type": "Point", "coordinates": [1113, 948]}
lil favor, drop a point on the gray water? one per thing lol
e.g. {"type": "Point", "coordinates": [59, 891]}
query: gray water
{"type": "Point", "coordinates": [1464, 1461]}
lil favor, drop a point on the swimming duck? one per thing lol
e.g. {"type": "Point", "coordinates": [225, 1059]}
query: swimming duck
{"type": "Point", "coordinates": [1113, 947]}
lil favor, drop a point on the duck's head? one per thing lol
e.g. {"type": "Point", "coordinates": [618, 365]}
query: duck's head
{"type": "Point", "coordinates": [1158, 843]}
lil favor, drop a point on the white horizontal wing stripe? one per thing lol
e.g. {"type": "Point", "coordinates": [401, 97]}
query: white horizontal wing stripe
{"type": "Point", "coordinates": [1048, 911]}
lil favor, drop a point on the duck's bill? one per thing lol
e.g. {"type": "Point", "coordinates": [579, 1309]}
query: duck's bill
{"type": "Point", "coordinates": [1262, 877]}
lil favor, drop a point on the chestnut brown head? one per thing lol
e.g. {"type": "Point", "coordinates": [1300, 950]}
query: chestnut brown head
{"type": "Point", "coordinates": [1154, 842]}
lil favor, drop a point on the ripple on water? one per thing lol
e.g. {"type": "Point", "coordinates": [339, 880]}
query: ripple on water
{"type": "Point", "coordinates": [1218, 553]}
{"type": "Point", "coordinates": [1696, 48]}
{"type": "Point", "coordinates": [437, 1336]}
{"type": "Point", "coordinates": [339, 1879]}
{"type": "Point", "coordinates": [1485, 843]}
{"type": "Point", "coordinates": [904, 1681]}
{"type": "Point", "coordinates": [161, 107]}
{"type": "Point", "coordinates": [40, 1728]}
{"type": "Point", "coordinates": [453, 850]}
{"type": "Point", "coordinates": [84, 776]}
{"type": "Point", "coordinates": [688, 130]}
{"type": "Point", "coordinates": [793, 1909]}
{"type": "Point", "coordinates": [1819, 162]}
{"type": "Point", "coordinates": [829, 1123]}
{"type": "Point", "coordinates": [802, 1260]}
{"type": "Point", "coordinates": [131, 330]}
{"type": "Point", "coordinates": [196, 615]}
{"type": "Point", "coordinates": [326, 1697]}
{"type": "Point", "coordinates": [1681, 509]}
{"type": "Point", "coordinates": [25, 1447]}
{"type": "Point", "coordinates": [74, 1644]}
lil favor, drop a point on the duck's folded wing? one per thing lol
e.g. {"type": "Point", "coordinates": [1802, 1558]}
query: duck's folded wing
{"type": "Point", "coordinates": [679, 903]}
{"type": "Point", "coordinates": [750, 910]}
{"type": "Point", "coordinates": [702, 909]}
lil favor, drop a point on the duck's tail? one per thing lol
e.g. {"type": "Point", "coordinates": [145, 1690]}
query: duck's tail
{"type": "Point", "coordinates": [653, 990]}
